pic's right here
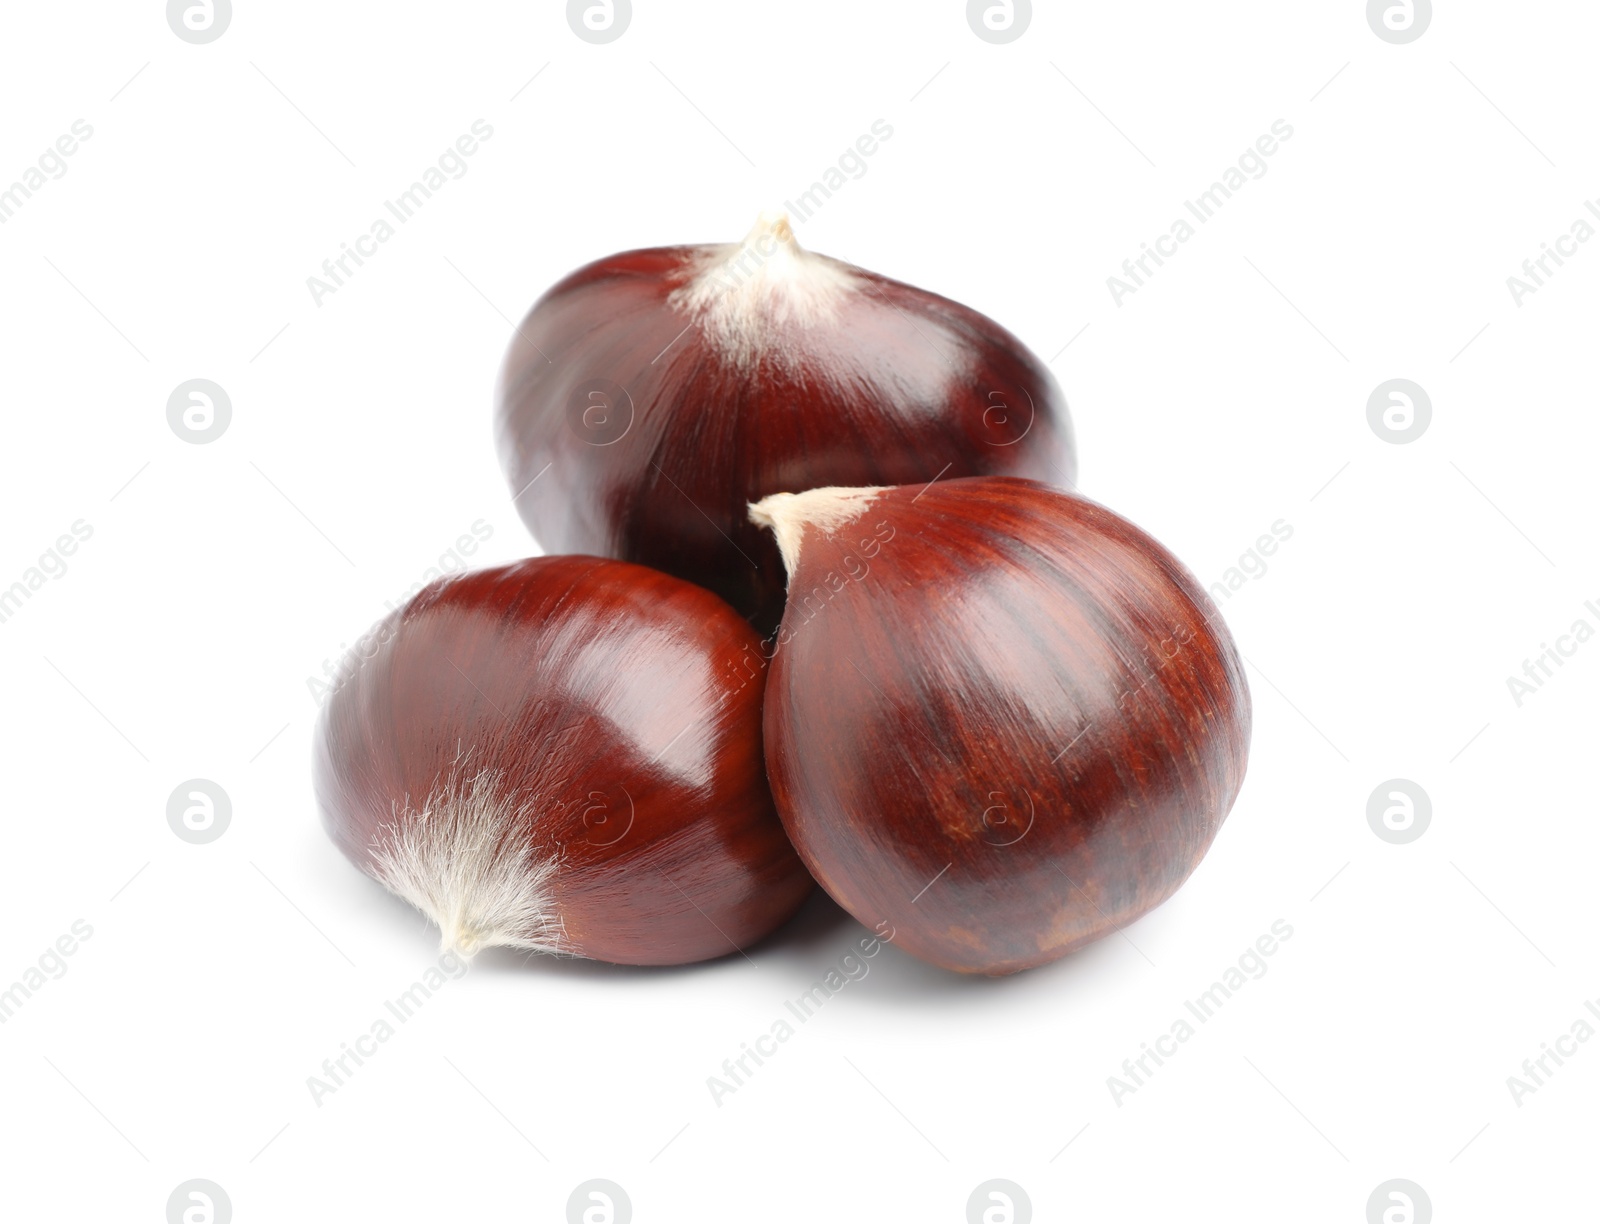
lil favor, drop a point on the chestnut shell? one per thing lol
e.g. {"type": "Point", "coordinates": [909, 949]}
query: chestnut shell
{"type": "Point", "coordinates": [897, 386]}
{"type": "Point", "coordinates": [1001, 719]}
{"type": "Point", "coordinates": [616, 712]}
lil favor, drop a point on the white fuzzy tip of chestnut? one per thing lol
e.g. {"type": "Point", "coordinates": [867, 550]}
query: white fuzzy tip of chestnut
{"type": "Point", "coordinates": [452, 861]}
{"type": "Point", "coordinates": [746, 294]}
{"type": "Point", "coordinates": [787, 515]}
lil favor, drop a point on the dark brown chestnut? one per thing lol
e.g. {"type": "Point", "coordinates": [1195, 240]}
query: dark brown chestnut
{"type": "Point", "coordinates": [648, 397]}
{"type": "Point", "coordinates": [999, 717]}
{"type": "Point", "coordinates": [563, 755]}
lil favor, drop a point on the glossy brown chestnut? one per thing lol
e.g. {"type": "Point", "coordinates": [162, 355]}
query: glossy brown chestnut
{"type": "Point", "coordinates": [650, 396]}
{"type": "Point", "coordinates": [563, 755]}
{"type": "Point", "coordinates": [999, 717]}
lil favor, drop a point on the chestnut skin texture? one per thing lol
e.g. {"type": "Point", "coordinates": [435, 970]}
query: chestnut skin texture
{"type": "Point", "coordinates": [1001, 718]}
{"type": "Point", "coordinates": [899, 385]}
{"type": "Point", "coordinates": [621, 710]}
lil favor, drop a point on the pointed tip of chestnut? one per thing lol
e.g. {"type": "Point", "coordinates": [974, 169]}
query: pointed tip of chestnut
{"type": "Point", "coordinates": [749, 295]}
{"type": "Point", "coordinates": [787, 515]}
{"type": "Point", "coordinates": [463, 941]}
{"type": "Point", "coordinates": [773, 221]}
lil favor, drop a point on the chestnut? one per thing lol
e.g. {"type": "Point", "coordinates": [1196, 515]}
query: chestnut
{"type": "Point", "coordinates": [563, 755]}
{"type": "Point", "coordinates": [649, 396]}
{"type": "Point", "coordinates": [999, 717]}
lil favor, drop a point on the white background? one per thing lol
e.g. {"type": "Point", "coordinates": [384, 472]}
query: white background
{"type": "Point", "coordinates": [1228, 393]}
